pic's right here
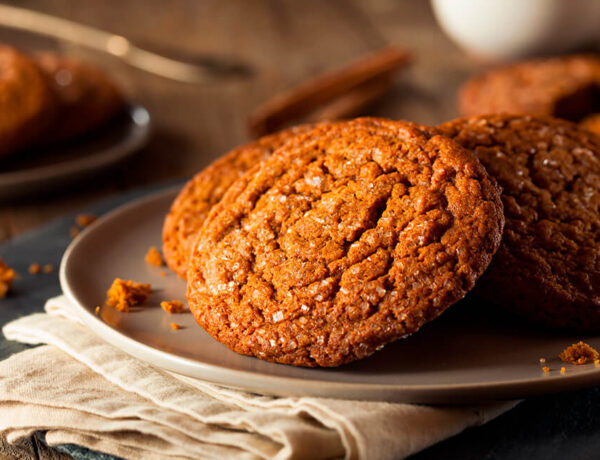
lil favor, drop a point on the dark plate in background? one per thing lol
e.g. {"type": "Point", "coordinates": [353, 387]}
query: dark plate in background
{"type": "Point", "coordinates": [49, 167]}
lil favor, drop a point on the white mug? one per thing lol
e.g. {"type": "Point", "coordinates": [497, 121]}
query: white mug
{"type": "Point", "coordinates": [505, 29]}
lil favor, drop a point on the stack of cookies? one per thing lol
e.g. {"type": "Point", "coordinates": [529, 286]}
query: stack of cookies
{"type": "Point", "coordinates": [318, 245]}
{"type": "Point", "coordinates": [49, 98]}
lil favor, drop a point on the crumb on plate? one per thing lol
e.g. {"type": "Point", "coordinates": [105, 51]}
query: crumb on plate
{"type": "Point", "coordinates": [563, 370]}
{"type": "Point", "coordinates": [83, 220]}
{"type": "Point", "coordinates": [154, 258]}
{"type": "Point", "coordinates": [173, 306]}
{"type": "Point", "coordinates": [124, 294]}
{"type": "Point", "coordinates": [579, 353]}
{"type": "Point", "coordinates": [35, 268]}
{"type": "Point", "coordinates": [7, 276]}
{"type": "Point", "coordinates": [162, 273]}
{"type": "Point", "coordinates": [175, 326]}
{"type": "Point", "coordinates": [97, 310]}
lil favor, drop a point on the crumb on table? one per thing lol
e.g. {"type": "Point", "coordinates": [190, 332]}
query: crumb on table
{"type": "Point", "coordinates": [48, 268]}
{"type": "Point", "coordinates": [542, 360]}
{"type": "Point", "coordinates": [154, 258]}
{"type": "Point", "coordinates": [563, 370]}
{"type": "Point", "coordinates": [124, 294]}
{"type": "Point", "coordinates": [173, 306]}
{"type": "Point", "coordinates": [74, 231]}
{"type": "Point", "coordinates": [7, 276]}
{"type": "Point", "coordinates": [83, 220]}
{"type": "Point", "coordinates": [579, 353]}
{"type": "Point", "coordinates": [35, 268]}
{"type": "Point", "coordinates": [175, 326]}
{"type": "Point", "coordinates": [97, 310]}
{"type": "Point", "coordinates": [546, 369]}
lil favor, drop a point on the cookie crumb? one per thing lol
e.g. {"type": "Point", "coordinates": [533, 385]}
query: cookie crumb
{"type": "Point", "coordinates": [97, 310]}
{"type": "Point", "coordinates": [35, 268]}
{"type": "Point", "coordinates": [563, 370]}
{"type": "Point", "coordinates": [175, 326]}
{"type": "Point", "coordinates": [83, 220]}
{"type": "Point", "coordinates": [579, 353]}
{"type": "Point", "coordinates": [7, 276]}
{"type": "Point", "coordinates": [48, 268]}
{"type": "Point", "coordinates": [74, 231]}
{"type": "Point", "coordinates": [162, 273]}
{"type": "Point", "coordinates": [154, 258]}
{"type": "Point", "coordinates": [542, 360]}
{"type": "Point", "coordinates": [173, 306]}
{"type": "Point", "coordinates": [546, 369]}
{"type": "Point", "coordinates": [124, 294]}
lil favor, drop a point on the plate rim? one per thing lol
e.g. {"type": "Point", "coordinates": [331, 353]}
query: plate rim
{"type": "Point", "coordinates": [109, 156]}
{"type": "Point", "coordinates": [448, 394]}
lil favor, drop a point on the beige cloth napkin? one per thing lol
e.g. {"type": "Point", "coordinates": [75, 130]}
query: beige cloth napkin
{"type": "Point", "coordinates": [82, 390]}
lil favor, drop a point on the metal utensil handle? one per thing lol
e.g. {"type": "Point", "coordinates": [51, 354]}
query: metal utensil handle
{"type": "Point", "coordinates": [116, 45]}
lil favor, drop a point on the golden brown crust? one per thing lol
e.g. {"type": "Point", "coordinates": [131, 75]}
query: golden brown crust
{"type": "Point", "coordinates": [565, 87]}
{"type": "Point", "coordinates": [205, 189]}
{"type": "Point", "coordinates": [26, 101]}
{"type": "Point", "coordinates": [86, 97]}
{"type": "Point", "coordinates": [548, 266]}
{"type": "Point", "coordinates": [346, 238]}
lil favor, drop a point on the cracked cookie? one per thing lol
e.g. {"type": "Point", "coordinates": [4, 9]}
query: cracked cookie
{"type": "Point", "coordinates": [548, 265]}
{"type": "Point", "coordinates": [348, 237]}
{"type": "Point", "coordinates": [26, 101]}
{"type": "Point", "coordinates": [195, 200]}
{"type": "Point", "coordinates": [565, 87]}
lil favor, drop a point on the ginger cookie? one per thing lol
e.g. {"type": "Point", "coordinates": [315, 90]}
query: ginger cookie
{"type": "Point", "coordinates": [346, 238]}
{"type": "Point", "coordinates": [548, 265]}
{"type": "Point", "coordinates": [564, 87]}
{"type": "Point", "coordinates": [26, 102]}
{"type": "Point", "coordinates": [86, 97]}
{"type": "Point", "coordinates": [195, 200]}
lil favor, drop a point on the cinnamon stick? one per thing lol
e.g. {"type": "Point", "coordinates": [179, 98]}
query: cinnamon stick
{"type": "Point", "coordinates": [354, 102]}
{"type": "Point", "coordinates": [323, 89]}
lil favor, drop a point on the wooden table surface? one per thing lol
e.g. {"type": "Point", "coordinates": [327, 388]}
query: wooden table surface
{"type": "Point", "coordinates": [284, 41]}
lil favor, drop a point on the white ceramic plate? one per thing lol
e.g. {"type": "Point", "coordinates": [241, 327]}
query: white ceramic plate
{"type": "Point", "coordinates": [34, 172]}
{"type": "Point", "coordinates": [466, 355]}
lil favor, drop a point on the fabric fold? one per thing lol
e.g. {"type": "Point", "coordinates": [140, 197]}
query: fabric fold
{"type": "Point", "coordinates": [84, 391]}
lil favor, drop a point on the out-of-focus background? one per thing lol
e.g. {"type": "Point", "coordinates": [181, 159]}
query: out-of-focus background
{"type": "Point", "coordinates": [282, 41]}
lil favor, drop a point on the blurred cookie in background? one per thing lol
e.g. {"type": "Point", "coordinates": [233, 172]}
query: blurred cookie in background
{"type": "Point", "coordinates": [565, 87]}
{"type": "Point", "coordinates": [86, 97]}
{"type": "Point", "coordinates": [26, 101]}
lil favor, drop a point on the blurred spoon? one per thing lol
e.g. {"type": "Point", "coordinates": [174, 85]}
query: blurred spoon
{"type": "Point", "coordinates": [185, 68]}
